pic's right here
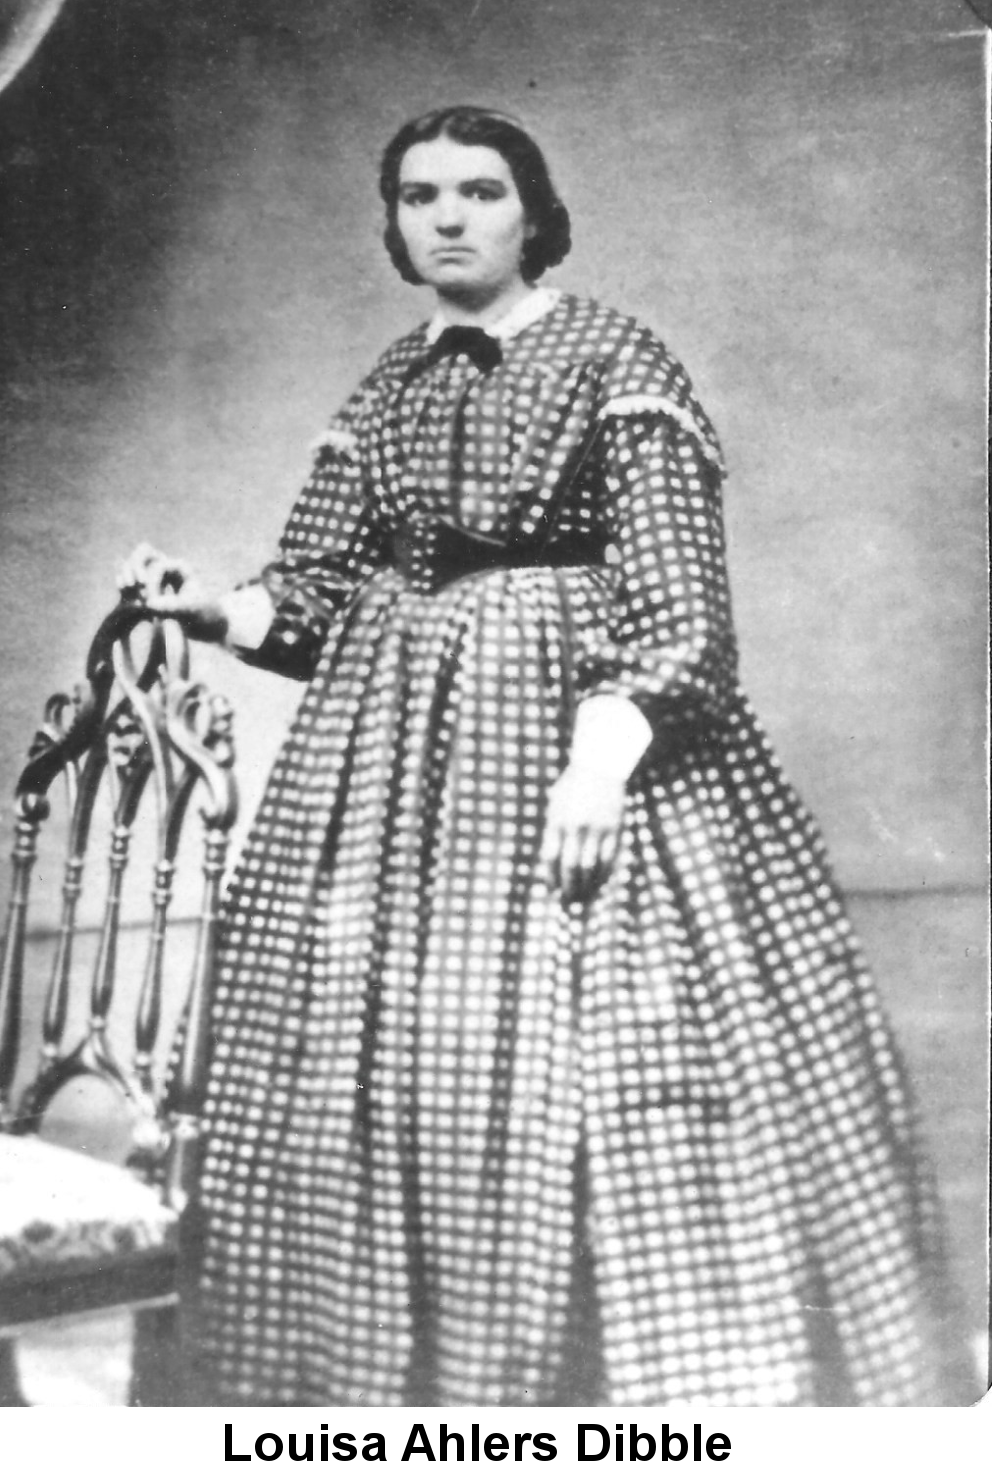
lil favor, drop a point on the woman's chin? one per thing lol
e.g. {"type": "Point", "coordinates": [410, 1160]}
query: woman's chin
{"type": "Point", "coordinates": [455, 274]}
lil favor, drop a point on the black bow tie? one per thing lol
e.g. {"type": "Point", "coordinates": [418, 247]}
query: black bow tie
{"type": "Point", "coordinates": [484, 350]}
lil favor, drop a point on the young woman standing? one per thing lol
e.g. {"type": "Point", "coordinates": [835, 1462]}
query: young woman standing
{"type": "Point", "coordinates": [547, 1069]}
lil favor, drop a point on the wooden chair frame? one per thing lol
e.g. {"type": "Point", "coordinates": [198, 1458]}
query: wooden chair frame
{"type": "Point", "coordinates": [137, 727]}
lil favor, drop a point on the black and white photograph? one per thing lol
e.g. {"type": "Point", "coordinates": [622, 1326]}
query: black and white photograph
{"type": "Point", "coordinates": [493, 793]}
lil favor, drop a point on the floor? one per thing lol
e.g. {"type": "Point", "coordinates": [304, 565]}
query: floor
{"type": "Point", "coordinates": [86, 1361]}
{"type": "Point", "coordinates": [928, 952]}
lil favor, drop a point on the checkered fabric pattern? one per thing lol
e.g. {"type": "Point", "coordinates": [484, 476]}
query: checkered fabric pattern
{"type": "Point", "coordinates": [417, 1043]}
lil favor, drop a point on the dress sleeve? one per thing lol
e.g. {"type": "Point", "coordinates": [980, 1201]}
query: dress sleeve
{"type": "Point", "coordinates": [331, 543]}
{"type": "Point", "coordinates": [665, 640]}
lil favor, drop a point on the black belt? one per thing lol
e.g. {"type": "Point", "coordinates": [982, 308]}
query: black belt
{"type": "Point", "coordinates": [430, 552]}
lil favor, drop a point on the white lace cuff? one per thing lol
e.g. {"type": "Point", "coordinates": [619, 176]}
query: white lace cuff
{"type": "Point", "coordinates": [611, 735]}
{"type": "Point", "coordinates": [249, 612]}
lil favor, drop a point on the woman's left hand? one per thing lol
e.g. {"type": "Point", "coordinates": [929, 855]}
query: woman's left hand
{"type": "Point", "coordinates": [169, 586]}
{"type": "Point", "coordinates": [582, 831]}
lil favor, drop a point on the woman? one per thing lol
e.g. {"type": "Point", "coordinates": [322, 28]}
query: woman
{"type": "Point", "coordinates": [547, 1069]}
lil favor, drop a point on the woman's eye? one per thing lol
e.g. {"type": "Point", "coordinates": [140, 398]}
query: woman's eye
{"type": "Point", "coordinates": [415, 197]}
{"type": "Point", "coordinates": [484, 192]}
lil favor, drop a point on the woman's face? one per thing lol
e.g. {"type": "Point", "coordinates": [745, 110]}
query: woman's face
{"type": "Point", "coordinates": [461, 219]}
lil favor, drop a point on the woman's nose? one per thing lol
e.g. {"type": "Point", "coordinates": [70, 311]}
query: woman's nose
{"type": "Point", "coordinates": [449, 216]}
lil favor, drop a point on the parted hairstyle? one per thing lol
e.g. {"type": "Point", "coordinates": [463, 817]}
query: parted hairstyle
{"type": "Point", "coordinates": [551, 240]}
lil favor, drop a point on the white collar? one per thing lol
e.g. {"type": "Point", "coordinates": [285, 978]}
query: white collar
{"type": "Point", "coordinates": [520, 316]}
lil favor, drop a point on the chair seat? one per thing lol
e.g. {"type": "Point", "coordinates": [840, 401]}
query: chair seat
{"type": "Point", "coordinates": [61, 1210]}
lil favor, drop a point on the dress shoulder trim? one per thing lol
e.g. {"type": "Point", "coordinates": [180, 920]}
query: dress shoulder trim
{"type": "Point", "coordinates": [642, 378]}
{"type": "Point", "coordinates": [695, 425]}
{"type": "Point", "coordinates": [337, 438]}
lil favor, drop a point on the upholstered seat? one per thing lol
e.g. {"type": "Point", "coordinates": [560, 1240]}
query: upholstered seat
{"type": "Point", "coordinates": [64, 1210]}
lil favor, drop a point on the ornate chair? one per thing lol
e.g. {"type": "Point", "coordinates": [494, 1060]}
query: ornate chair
{"type": "Point", "coordinates": [140, 739]}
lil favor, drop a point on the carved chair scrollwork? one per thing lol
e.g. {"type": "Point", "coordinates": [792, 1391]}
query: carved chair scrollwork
{"type": "Point", "coordinates": [139, 739]}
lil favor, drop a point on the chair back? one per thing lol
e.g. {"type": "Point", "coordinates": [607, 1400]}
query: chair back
{"type": "Point", "coordinates": [142, 736]}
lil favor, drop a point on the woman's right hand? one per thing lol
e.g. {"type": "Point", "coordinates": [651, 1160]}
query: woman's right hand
{"type": "Point", "coordinates": [168, 586]}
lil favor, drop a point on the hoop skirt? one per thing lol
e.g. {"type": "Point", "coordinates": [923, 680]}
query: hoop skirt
{"type": "Point", "coordinates": [434, 1083]}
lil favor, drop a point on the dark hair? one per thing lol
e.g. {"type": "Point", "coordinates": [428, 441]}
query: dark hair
{"type": "Point", "coordinates": [481, 127]}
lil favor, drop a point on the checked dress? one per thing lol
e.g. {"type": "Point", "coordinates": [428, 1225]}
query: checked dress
{"type": "Point", "coordinates": [435, 1086]}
